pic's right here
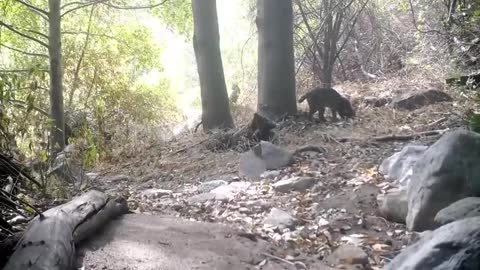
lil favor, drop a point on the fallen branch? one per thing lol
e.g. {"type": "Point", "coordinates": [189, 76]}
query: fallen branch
{"type": "Point", "coordinates": [410, 137]}
{"type": "Point", "coordinates": [310, 148]}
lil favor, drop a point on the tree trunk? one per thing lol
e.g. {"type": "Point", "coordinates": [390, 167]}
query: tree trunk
{"type": "Point", "coordinates": [49, 241]}
{"type": "Point", "coordinates": [206, 43]}
{"type": "Point", "coordinates": [276, 70]}
{"type": "Point", "coordinates": [56, 88]}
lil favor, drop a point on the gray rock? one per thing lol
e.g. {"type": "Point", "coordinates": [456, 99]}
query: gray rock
{"type": "Point", "coordinates": [211, 185]}
{"type": "Point", "coordinates": [348, 254]}
{"type": "Point", "coordinates": [280, 219]}
{"type": "Point", "coordinates": [91, 176]}
{"type": "Point", "coordinates": [221, 193]}
{"type": "Point", "coordinates": [203, 197]}
{"type": "Point", "coordinates": [417, 99]}
{"type": "Point", "coordinates": [398, 168]}
{"type": "Point", "coordinates": [231, 189]}
{"type": "Point", "coordinates": [394, 205]}
{"type": "Point", "coordinates": [251, 166]}
{"type": "Point", "coordinates": [270, 174]}
{"type": "Point", "coordinates": [447, 172]}
{"type": "Point", "coordinates": [274, 156]}
{"type": "Point", "coordinates": [468, 207]}
{"type": "Point", "coordinates": [154, 193]}
{"type": "Point", "coordinates": [294, 184]}
{"type": "Point", "coordinates": [455, 246]}
{"type": "Point", "coordinates": [264, 156]}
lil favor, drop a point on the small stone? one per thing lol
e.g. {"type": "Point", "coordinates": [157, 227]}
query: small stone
{"type": "Point", "coordinates": [270, 174]}
{"type": "Point", "coordinates": [280, 219]}
{"type": "Point", "coordinates": [156, 193]}
{"type": "Point", "coordinates": [244, 210]}
{"type": "Point", "coordinates": [211, 185]}
{"type": "Point", "coordinates": [348, 254]}
{"type": "Point", "coordinates": [294, 184]}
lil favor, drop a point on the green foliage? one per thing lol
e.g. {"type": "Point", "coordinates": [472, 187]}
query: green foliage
{"type": "Point", "coordinates": [474, 118]}
{"type": "Point", "coordinates": [107, 55]}
{"type": "Point", "coordinates": [178, 15]}
{"type": "Point", "coordinates": [475, 122]}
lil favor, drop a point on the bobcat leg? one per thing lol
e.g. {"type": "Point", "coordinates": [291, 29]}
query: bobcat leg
{"type": "Point", "coordinates": [334, 115]}
{"type": "Point", "coordinates": [321, 112]}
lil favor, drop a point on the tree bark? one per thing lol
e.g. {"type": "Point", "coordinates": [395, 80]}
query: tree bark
{"type": "Point", "coordinates": [206, 43]}
{"type": "Point", "coordinates": [49, 241]}
{"type": "Point", "coordinates": [276, 69]}
{"type": "Point", "coordinates": [56, 76]}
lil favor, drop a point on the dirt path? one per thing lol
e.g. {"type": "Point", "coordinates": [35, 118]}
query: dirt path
{"type": "Point", "coordinates": [149, 242]}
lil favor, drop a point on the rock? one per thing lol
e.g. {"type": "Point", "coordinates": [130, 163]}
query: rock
{"type": "Point", "coordinates": [447, 172]}
{"type": "Point", "coordinates": [454, 246]}
{"type": "Point", "coordinates": [294, 184]}
{"type": "Point", "coordinates": [251, 166]}
{"type": "Point", "coordinates": [92, 176]}
{"type": "Point", "coordinates": [155, 193]}
{"type": "Point", "coordinates": [417, 99]}
{"type": "Point", "coordinates": [398, 168]}
{"type": "Point", "coordinates": [274, 156]}
{"type": "Point", "coordinates": [203, 197]}
{"type": "Point", "coordinates": [221, 193]}
{"type": "Point", "coordinates": [468, 207]}
{"type": "Point", "coordinates": [280, 219]}
{"type": "Point", "coordinates": [232, 189]}
{"type": "Point", "coordinates": [210, 185]}
{"type": "Point", "coordinates": [348, 254]}
{"type": "Point", "coordinates": [264, 156]}
{"type": "Point", "coordinates": [270, 174]}
{"type": "Point", "coordinates": [394, 205]}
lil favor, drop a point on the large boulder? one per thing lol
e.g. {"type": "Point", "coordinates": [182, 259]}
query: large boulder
{"type": "Point", "coordinates": [468, 207]}
{"type": "Point", "coordinates": [454, 246]}
{"type": "Point", "coordinates": [447, 172]}
{"type": "Point", "coordinates": [398, 168]}
{"type": "Point", "coordinates": [417, 99]}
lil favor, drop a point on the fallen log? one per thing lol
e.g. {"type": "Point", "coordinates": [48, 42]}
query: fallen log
{"type": "Point", "coordinates": [49, 241]}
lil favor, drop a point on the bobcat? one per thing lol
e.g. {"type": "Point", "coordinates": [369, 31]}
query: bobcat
{"type": "Point", "coordinates": [319, 98]}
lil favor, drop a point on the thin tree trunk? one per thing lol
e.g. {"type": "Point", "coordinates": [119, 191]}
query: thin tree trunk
{"type": "Point", "coordinates": [76, 76]}
{"type": "Point", "coordinates": [276, 68]}
{"type": "Point", "coordinates": [56, 88]}
{"type": "Point", "coordinates": [206, 43]}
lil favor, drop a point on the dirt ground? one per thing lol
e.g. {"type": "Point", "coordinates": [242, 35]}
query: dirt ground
{"type": "Point", "coordinates": [345, 196]}
{"type": "Point", "coordinates": [146, 242]}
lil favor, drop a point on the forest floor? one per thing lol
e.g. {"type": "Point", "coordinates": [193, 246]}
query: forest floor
{"type": "Point", "coordinates": [341, 208]}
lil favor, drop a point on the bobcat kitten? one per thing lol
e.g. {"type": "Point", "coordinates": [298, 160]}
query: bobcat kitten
{"type": "Point", "coordinates": [319, 98]}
